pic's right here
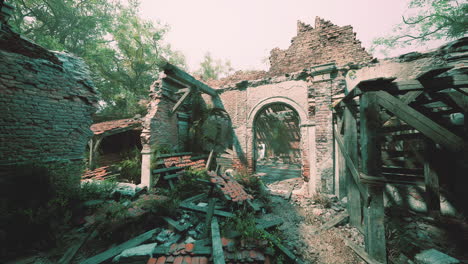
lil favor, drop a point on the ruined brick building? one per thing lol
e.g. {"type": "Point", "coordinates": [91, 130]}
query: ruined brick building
{"type": "Point", "coordinates": [46, 102]}
{"type": "Point", "coordinates": [305, 78]}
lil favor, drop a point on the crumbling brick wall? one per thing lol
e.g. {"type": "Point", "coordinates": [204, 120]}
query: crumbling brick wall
{"type": "Point", "coordinates": [314, 46]}
{"type": "Point", "coordinates": [46, 103]}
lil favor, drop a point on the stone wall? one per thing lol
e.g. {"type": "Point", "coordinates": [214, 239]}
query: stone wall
{"type": "Point", "coordinates": [325, 43]}
{"type": "Point", "coordinates": [46, 101]}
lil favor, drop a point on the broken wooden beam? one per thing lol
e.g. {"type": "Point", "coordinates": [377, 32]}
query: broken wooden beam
{"type": "Point", "coordinates": [360, 252]}
{"type": "Point", "coordinates": [205, 210]}
{"type": "Point", "coordinates": [71, 252]}
{"type": "Point", "coordinates": [118, 249]}
{"type": "Point", "coordinates": [175, 73]}
{"type": "Point", "coordinates": [176, 225]}
{"type": "Point", "coordinates": [340, 218]}
{"type": "Point", "coordinates": [217, 244]}
{"type": "Point", "coordinates": [420, 122]}
{"type": "Point", "coordinates": [283, 249]}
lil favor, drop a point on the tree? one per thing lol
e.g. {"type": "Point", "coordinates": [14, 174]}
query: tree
{"type": "Point", "coordinates": [211, 69]}
{"type": "Point", "coordinates": [429, 20]}
{"type": "Point", "coordinates": [121, 48]}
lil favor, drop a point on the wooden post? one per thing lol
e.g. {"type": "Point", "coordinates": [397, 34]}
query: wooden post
{"type": "Point", "coordinates": [374, 215]}
{"type": "Point", "coordinates": [94, 144]}
{"type": "Point", "coordinates": [351, 145]}
{"type": "Point", "coordinates": [340, 165]}
{"type": "Point", "coordinates": [431, 180]}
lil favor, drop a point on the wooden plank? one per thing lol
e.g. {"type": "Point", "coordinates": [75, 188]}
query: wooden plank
{"type": "Point", "coordinates": [210, 158]}
{"type": "Point", "coordinates": [340, 168]}
{"type": "Point", "coordinates": [420, 122]}
{"type": "Point", "coordinates": [181, 101]}
{"type": "Point", "coordinates": [176, 225]}
{"type": "Point", "coordinates": [161, 156]}
{"type": "Point", "coordinates": [209, 214]}
{"type": "Point", "coordinates": [195, 198]}
{"type": "Point", "coordinates": [350, 164]}
{"type": "Point", "coordinates": [374, 216]}
{"type": "Point", "coordinates": [171, 169]}
{"type": "Point", "coordinates": [360, 252]}
{"type": "Point", "coordinates": [180, 75]}
{"type": "Point", "coordinates": [118, 249]}
{"type": "Point", "coordinates": [265, 224]}
{"type": "Point", "coordinates": [283, 249]}
{"type": "Point", "coordinates": [333, 222]}
{"type": "Point", "coordinates": [218, 254]}
{"type": "Point", "coordinates": [171, 176]}
{"type": "Point", "coordinates": [205, 210]}
{"type": "Point", "coordinates": [352, 187]}
{"type": "Point", "coordinates": [71, 252]}
{"type": "Point", "coordinates": [431, 180]}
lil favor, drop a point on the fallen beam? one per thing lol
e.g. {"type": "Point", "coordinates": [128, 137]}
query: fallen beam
{"type": "Point", "coordinates": [205, 210]}
{"type": "Point", "coordinates": [360, 252]}
{"type": "Point", "coordinates": [283, 249]}
{"type": "Point", "coordinates": [333, 222]}
{"type": "Point", "coordinates": [218, 254]}
{"type": "Point", "coordinates": [118, 249]}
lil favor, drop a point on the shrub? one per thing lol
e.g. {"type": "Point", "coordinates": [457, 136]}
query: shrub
{"type": "Point", "coordinates": [93, 190]}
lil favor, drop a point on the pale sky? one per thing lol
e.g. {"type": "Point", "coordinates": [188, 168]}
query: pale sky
{"type": "Point", "coordinates": [244, 31]}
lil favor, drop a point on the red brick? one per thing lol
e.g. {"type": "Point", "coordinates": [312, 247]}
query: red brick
{"type": "Point", "coordinates": [152, 261]}
{"type": "Point", "coordinates": [161, 260]}
{"type": "Point", "coordinates": [178, 260]}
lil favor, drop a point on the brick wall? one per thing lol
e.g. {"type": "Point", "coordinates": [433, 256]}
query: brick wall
{"type": "Point", "coordinates": [314, 46]}
{"type": "Point", "coordinates": [46, 103]}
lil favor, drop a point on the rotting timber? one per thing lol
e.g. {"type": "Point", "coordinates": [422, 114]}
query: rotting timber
{"type": "Point", "coordinates": [391, 132]}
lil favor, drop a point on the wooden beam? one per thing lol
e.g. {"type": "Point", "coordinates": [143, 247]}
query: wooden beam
{"type": "Point", "coordinates": [218, 254]}
{"type": "Point", "coordinates": [349, 163]}
{"type": "Point", "coordinates": [338, 219]}
{"type": "Point", "coordinates": [181, 101]}
{"type": "Point", "coordinates": [205, 210]}
{"type": "Point", "coordinates": [182, 76]}
{"type": "Point", "coordinates": [431, 180]}
{"type": "Point", "coordinates": [340, 169]}
{"type": "Point", "coordinates": [118, 249]}
{"type": "Point", "coordinates": [420, 122]}
{"type": "Point", "coordinates": [351, 146]}
{"type": "Point", "coordinates": [360, 252]}
{"type": "Point", "coordinates": [374, 215]}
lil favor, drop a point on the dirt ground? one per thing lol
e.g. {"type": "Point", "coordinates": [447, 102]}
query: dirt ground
{"type": "Point", "coordinates": [304, 216]}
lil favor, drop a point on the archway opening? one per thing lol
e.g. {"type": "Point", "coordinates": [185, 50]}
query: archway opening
{"type": "Point", "coordinates": [277, 141]}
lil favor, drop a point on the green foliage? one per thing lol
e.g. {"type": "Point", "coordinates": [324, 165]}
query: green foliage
{"type": "Point", "coordinates": [121, 49]}
{"type": "Point", "coordinates": [33, 211]}
{"type": "Point", "coordinates": [95, 190]}
{"type": "Point", "coordinates": [211, 69]}
{"type": "Point", "coordinates": [189, 185]}
{"type": "Point", "coordinates": [130, 168]}
{"type": "Point", "coordinates": [322, 199]}
{"type": "Point", "coordinates": [430, 20]}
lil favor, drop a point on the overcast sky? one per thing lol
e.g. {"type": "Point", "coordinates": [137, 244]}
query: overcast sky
{"type": "Point", "coordinates": [244, 31]}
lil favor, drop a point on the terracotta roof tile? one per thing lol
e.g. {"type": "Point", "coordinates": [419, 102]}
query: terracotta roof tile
{"type": "Point", "coordinates": [152, 261]}
{"type": "Point", "coordinates": [100, 128]}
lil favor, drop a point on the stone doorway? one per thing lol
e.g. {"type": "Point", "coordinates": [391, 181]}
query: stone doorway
{"type": "Point", "coordinates": [277, 143]}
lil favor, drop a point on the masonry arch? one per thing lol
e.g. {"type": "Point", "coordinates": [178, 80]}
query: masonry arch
{"type": "Point", "coordinates": [298, 135]}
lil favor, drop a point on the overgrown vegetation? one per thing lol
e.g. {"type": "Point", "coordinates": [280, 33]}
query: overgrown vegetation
{"type": "Point", "coordinates": [35, 217]}
{"type": "Point", "coordinates": [130, 167]}
{"type": "Point", "coordinates": [428, 20]}
{"type": "Point", "coordinates": [121, 49]}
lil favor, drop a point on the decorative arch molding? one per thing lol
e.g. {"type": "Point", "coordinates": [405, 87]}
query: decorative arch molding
{"type": "Point", "coordinates": [303, 120]}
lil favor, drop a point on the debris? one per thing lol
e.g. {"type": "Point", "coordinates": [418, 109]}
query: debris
{"type": "Point", "coordinates": [71, 252]}
{"type": "Point", "coordinates": [433, 256]}
{"type": "Point", "coordinates": [218, 254]}
{"type": "Point", "coordinates": [284, 249]}
{"type": "Point", "coordinates": [360, 252]}
{"type": "Point", "coordinates": [139, 253]}
{"type": "Point", "coordinates": [118, 249]}
{"type": "Point", "coordinates": [335, 221]}
{"type": "Point", "coordinates": [205, 210]}
{"type": "Point", "coordinates": [175, 225]}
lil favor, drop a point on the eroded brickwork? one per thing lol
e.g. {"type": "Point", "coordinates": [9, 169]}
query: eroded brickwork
{"type": "Point", "coordinates": [46, 103]}
{"type": "Point", "coordinates": [317, 45]}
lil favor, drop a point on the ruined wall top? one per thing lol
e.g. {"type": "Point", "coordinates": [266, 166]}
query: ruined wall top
{"type": "Point", "coordinates": [317, 45]}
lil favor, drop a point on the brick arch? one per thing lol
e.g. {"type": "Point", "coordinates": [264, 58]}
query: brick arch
{"type": "Point", "coordinates": [277, 100]}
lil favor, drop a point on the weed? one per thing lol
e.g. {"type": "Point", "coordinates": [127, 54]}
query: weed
{"type": "Point", "coordinates": [94, 190]}
{"type": "Point", "coordinates": [322, 199]}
